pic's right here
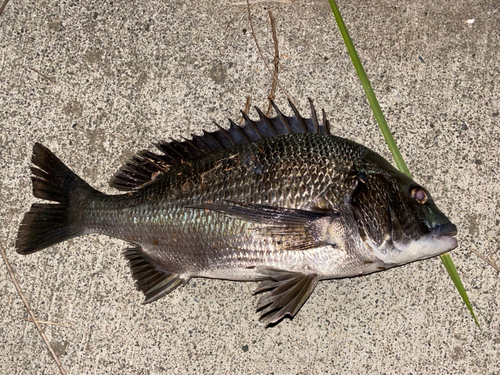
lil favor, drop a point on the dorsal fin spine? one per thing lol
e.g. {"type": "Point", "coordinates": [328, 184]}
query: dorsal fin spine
{"type": "Point", "coordinates": [224, 132]}
{"type": "Point", "coordinates": [170, 147]}
{"type": "Point", "coordinates": [326, 122]}
{"type": "Point", "coordinates": [212, 138]}
{"type": "Point", "coordinates": [314, 116]}
{"type": "Point", "coordinates": [145, 166]}
{"type": "Point", "coordinates": [196, 148]}
{"type": "Point", "coordinates": [265, 119]}
{"type": "Point", "coordinates": [239, 129]}
{"type": "Point", "coordinates": [249, 122]}
{"type": "Point", "coordinates": [299, 118]}
{"type": "Point", "coordinates": [203, 144]}
{"type": "Point", "coordinates": [177, 143]}
{"type": "Point", "coordinates": [281, 116]}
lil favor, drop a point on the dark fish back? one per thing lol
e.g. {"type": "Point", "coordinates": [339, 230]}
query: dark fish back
{"type": "Point", "coordinates": [145, 166]}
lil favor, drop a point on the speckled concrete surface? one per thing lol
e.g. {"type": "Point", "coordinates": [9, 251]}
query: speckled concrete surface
{"type": "Point", "coordinates": [97, 80]}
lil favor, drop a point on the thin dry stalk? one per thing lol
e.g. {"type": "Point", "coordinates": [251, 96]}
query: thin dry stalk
{"type": "Point", "coordinates": [262, 55]}
{"type": "Point", "coordinates": [246, 110]}
{"type": "Point", "coordinates": [4, 4]}
{"type": "Point", "coordinates": [265, 1]}
{"type": "Point", "coordinates": [232, 19]}
{"type": "Point", "coordinates": [488, 260]}
{"type": "Point", "coordinates": [252, 4]}
{"type": "Point", "coordinates": [50, 323]}
{"type": "Point", "coordinates": [44, 76]}
{"type": "Point", "coordinates": [276, 62]}
{"type": "Point", "coordinates": [30, 311]}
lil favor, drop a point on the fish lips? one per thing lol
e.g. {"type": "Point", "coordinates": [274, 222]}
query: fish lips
{"type": "Point", "coordinates": [447, 229]}
{"type": "Point", "coordinates": [446, 232]}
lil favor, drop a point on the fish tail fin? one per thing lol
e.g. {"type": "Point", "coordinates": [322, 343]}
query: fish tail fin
{"type": "Point", "coordinates": [47, 224]}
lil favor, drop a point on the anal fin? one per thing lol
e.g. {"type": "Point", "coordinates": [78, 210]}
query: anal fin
{"type": "Point", "coordinates": [288, 290]}
{"type": "Point", "coordinates": [152, 282]}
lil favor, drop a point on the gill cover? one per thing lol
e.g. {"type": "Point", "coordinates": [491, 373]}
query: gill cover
{"type": "Point", "coordinates": [397, 218]}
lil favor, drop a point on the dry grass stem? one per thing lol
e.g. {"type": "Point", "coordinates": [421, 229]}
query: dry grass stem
{"type": "Point", "coordinates": [50, 323]}
{"type": "Point", "coordinates": [246, 110]}
{"type": "Point", "coordinates": [4, 4]}
{"type": "Point", "coordinates": [52, 80]}
{"type": "Point", "coordinates": [232, 19]}
{"type": "Point", "coordinates": [30, 311]}
{"type": "Point", "coordinates": [264, 1]}
{"type": "Point", "coordinates": [262, 55]}
{"type": "Point", "coordinates": [490, 260]}
{"type": "Point", "coordinates": [276, 62]}
{"type": "Point", "coordinates": [252, 4]}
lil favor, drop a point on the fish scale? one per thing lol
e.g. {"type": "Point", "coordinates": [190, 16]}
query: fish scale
{"type": "Point", "coordinates": [278, 200]}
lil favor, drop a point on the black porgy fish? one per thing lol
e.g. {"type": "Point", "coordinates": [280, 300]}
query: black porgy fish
{"type": "Point", "coordinates": [278, 200]}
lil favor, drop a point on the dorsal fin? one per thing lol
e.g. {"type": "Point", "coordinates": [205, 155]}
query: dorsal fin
{"type": "Point", "coordinates": [145, 166]}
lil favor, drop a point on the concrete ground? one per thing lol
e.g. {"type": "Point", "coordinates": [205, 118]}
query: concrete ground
{"type": "Point", "coordinates": [96, 81]}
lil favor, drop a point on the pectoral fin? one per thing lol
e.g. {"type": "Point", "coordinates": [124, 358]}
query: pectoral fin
{"type": "Point", "coordinates": [288, 291]}
{"type": "Point", "coordinates": [297, 229]}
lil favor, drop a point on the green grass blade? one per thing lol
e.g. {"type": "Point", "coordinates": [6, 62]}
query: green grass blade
{"type": "Point", "coordinates": [452, 271]}
{"type": "Point", "coordinates": [384, 128]}
{"type": "Point", "coordinates": [372, 99]}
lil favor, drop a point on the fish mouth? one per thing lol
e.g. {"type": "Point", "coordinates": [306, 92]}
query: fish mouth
{"type": "Point", "coordinates": [445, 233]}
{"type": "Point", "coordinates": [447, 229]}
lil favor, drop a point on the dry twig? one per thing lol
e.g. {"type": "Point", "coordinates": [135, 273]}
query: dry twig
{"type": "Point", "coordinates": [232, 19]}
{"type": "Point", "coordinates": [276, 62]}
{"type": "Point", "coordinates": [30, 311]}
{"type": "Point", "coordinates": [252, 4]}
{"type": "Point", "coordinates": [490, 260]}
{"type": "Point", "coordinates": [44, 76]}
{"type": "Point", "coordinates": [246, 110]}
{"type": "Point", "coordinates": [50, 323]}
{"type": "Point", "coordinates": [4, 4]}
{"type": "Point", "coordinates": [265, 1]}
{"type": "Point", "coordinates": [262, 55]}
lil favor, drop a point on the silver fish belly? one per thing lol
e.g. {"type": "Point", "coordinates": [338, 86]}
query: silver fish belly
{"type": "Point", "coordinates": [278, 200]}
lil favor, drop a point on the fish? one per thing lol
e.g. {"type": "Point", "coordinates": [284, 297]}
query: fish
{"type": "Point", "coordinates": [278, 200]}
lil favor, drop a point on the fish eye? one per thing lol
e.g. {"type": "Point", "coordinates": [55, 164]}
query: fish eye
{"type": "Point", "coordinates": [419, 195]}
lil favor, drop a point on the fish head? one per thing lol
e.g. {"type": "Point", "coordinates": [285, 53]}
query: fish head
{"type": "Point", "coordinates": [397, 218]}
